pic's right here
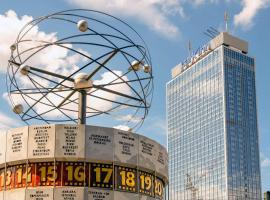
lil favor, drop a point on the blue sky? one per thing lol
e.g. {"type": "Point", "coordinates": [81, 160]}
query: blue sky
{"type": "Point", "coordinates": [166, 26]}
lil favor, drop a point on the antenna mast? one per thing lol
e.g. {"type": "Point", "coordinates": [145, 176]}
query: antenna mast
{"type": "Point", "coordinates": [189, 48]}
{"type": "Point", "coordinates": [226, 19]}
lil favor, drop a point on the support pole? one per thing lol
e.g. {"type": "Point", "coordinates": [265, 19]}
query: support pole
{"type": "Point", "coordinates": [82, 107]}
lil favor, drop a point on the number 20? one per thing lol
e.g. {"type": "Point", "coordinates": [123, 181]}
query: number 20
{"type": "Point", "coordinates": [158, 188]}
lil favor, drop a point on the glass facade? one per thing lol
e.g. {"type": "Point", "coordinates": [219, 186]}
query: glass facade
{"type": "Point", "coordinates": [241, 125]}
{"type": "Point", "coordinates": [212, 129]}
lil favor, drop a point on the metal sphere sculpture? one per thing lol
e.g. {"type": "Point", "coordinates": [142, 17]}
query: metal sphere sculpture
{"type": "Point", "coordinates": [94, 65]}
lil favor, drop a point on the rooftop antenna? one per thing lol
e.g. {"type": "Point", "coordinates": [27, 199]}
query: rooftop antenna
{"type": "Point", "coordinates": [215, 30]}
{"type": "Point", "coordinates": [189, 48]}
{"type": "Point", "coordinates": [208, 35]}
{"type": "Point", "coordinates": [226, 19]}
{"type": "Point", "coordinates": [211, 32]}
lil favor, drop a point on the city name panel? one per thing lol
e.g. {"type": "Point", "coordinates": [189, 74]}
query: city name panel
{"type": "Point", "coordinates": [78, 162]}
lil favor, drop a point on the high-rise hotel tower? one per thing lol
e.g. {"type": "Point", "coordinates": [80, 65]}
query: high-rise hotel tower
{"type": "Point", "coordinates": [212, 124]}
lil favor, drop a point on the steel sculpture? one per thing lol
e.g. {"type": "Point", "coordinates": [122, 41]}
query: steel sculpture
{"type": "Point", "coordinates": [106, 45]}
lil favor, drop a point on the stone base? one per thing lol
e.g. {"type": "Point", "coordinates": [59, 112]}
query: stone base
{"type": "Point", "coordinates": [78, 162]}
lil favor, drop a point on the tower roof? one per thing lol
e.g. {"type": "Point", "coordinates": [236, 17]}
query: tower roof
{"type": "Point", "coordinates": [224, 38]}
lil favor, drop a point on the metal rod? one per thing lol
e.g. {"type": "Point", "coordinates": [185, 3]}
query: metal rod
{"type": "Point", "coordinates": [82, 107]}
{"type": "Point", "coordinates": [44, 71]}
{"type": "Point", "coordinates": [67, 98]}
{"type": "Point", "coordinates": [102, 64]}
{"type": "Point", "coordinates": [117, 93]}
{"type": "Point", "coordinates": [226, 18]}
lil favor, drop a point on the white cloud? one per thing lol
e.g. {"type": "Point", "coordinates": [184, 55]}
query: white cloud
{"type": "Point", "coordinates": [154, 13]}
{"type": "Point", "coordinates": [129, 118]}
{"type": "Point", "coordinates": [265, 161]}
{"type": "Point", "coordinates": [52, 57]}
{"type": "Point", "coordinates": [10, 25]}
{"type": "Point", "coordinates": [7, 122]}
{"type": "Point", "coordinates": [249, 11]}
{"type": "Point", "coordinates": [245, 17]}
{"type": "Point", "coordinates": [122, 127]}
{"type": "Point", "coordinates": [157, 125]}
{"type": "Point", "coordinates": [108, 77]}
{"type": "Point", "coordinates": [200, 2]}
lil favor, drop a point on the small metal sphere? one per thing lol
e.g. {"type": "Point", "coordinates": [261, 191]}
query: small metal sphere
{"type": "Point", "coordinates": [82, 25]}
{"type": "Point", "coordinates": [81, 82]}
{"type": "Point", "coordinates": [18, 109]}
{"type": "Point", "coordinates": [80, 76]}
{"type": "Point", "coordinates": [146, 68]}
{"type": "Point", "coordinates": [24, 69]}
{"type": "Point", "coordinates": [13, 47]}
{"type": "Point", "coordinates": [136, 65]}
